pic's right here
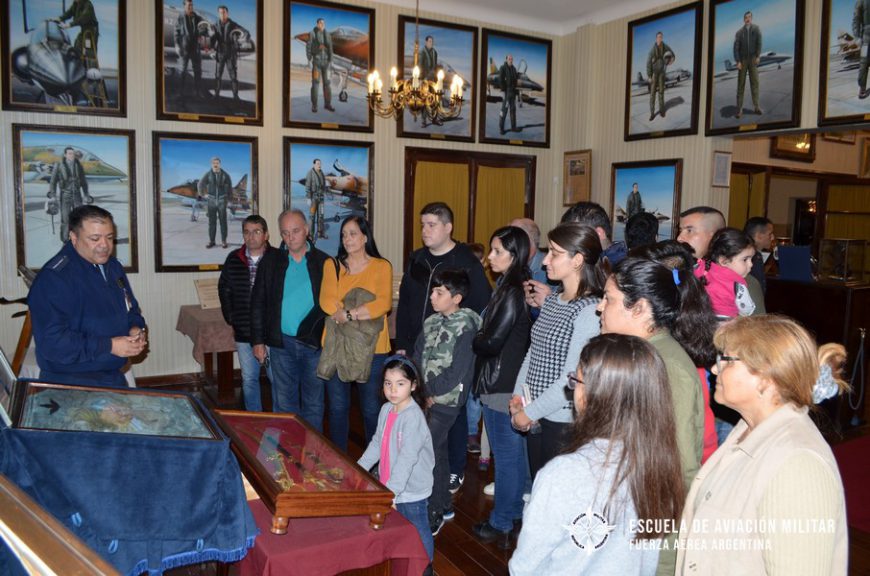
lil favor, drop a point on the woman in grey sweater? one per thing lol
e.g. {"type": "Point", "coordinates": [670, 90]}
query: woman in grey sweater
{"type": "Point", "coordinates": [603, 506]}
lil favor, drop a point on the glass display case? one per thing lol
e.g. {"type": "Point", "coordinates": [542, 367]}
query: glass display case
{"type": "Point", "coordinates": [842, 259]}
{"type": "Point", "coordinates": [298, 473]}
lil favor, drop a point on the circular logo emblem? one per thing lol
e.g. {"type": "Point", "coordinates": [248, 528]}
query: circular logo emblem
{"type": "Point", "coordinates": [590, 530]}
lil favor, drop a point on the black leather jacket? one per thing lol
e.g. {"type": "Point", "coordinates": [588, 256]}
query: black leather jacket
{"type": "Point", "coordinates": [502, 342]}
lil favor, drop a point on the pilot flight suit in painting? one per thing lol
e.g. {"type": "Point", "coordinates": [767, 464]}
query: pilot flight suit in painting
{"type": "Point", "coordinates": [226, 55]}
{"type": "Point", "coordinates": [186, 44]}
{"type": "Point", "coordinates": [69, 178]}
{"type": "Point", "coordinates": [218, 187]}
{"type": "Point", "coordinates": [861, 29]}
{"type": "Point", "coordinates": [507, 80]}
{"type": "Point", "coordinates": [747, 52]}
{"type": "Point", "coordinates": [318, 49]}
{"type": "Point", "coordinates": [660, 55]}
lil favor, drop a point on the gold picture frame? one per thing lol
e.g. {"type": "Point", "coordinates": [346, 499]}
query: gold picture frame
{"type": "Point", "coordinates": [864, 165]}
{"type": "Point", "coordinates": [576, 177]}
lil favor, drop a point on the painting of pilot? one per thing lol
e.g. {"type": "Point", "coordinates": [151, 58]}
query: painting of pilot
{"type": "Point", "coordinates": [444, 48]}
{"type": "Point", "coordinates": [516, 100]}
{"type": "Point", "coordinates": [756, 43]}
{"type": "Point", "coordinates": [663, 80]}
{"type": "Point", "coordinates": [844, 92]}
{"type": "Point", "coordinates": [660, 181]}
{"type": "Point", "coordinates": [58, 169]}
{"type": "Point", "coordinates": [328, 180]}
{"type": "Point", "coordinates": [327, 51]}
{"type": "Point", "coordinates": [194, 173]}
{"type": "Point", "coordinates": [211, 67]}
{"type": "Point", "coordinates": [67, 57]}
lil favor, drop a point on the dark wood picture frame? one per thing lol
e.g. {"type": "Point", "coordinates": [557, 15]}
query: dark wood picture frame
{"type": "Point", "coordinates": [349, 193]}
{"type": "Point", "coordinates": [680, 80]}
{"type": "Point", "coordinates": [773, 68]}
{"type": "Point", "coordinates": [800, 147]}
{"type": "Point", "coordinates": [496, 45]}
{"type": "Point", "coordinates": [202, 105]}
{"type": "Point", "coordinates": [665, 177]}
{"type": "Point", "coordinates": [39, 88]}
{"type": "Point", "coordinates": [576, 177]}
{"type": "Point", "coordinates": [178, 189]}
{"type": "Point", "coordinates": [35, 150]}
{"type": "Point", "coordinates": [461, 47]}
{"type": "Point", "coordinates": [839, 60]}
{"type": "Point", "coordinates": [353, 57]}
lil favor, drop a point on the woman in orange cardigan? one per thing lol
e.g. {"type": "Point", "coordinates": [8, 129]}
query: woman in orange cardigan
{"type": "Point", "coordinates": [360, 265]}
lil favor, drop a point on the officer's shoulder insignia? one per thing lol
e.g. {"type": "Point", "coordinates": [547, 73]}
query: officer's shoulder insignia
{"type": "Point", "coordinates": [58, 263]}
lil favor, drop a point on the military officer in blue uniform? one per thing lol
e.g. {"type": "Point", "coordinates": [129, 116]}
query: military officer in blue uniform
{"type": "Point", "coordinates": [86, 321]}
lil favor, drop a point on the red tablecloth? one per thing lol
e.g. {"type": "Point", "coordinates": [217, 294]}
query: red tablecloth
{"type": "Point", "coordinates": [207, 329]}
{"type": "Point", "coordinates": [327, 546]}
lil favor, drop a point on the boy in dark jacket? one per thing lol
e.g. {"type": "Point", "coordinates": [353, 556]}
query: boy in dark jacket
{"type": "Point", "coordinates": [444, 353]}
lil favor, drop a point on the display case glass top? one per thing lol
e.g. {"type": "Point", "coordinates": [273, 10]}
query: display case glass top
{"type": "Point", "coordinates": [45, 406]}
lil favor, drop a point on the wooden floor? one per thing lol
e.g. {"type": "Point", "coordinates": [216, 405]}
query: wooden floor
{"type": "Point", "coordinates": [457, 552]}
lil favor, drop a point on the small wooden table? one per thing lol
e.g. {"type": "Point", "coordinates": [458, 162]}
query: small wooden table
{"type": "Point", "coordinates": [211, 336]}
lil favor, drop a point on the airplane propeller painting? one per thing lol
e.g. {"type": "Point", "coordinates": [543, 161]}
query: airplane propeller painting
{"type": "Point", "coordinates": [350, 56]}
{"type": "Point", "coordinates": [524, 83]}
{"type": "Point", "coordinates": [189, 193]}
{"type": "Point", "coordinates": [37, 164]}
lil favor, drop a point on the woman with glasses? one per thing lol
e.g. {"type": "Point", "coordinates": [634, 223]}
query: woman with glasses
{"type": "Point", "coordinates": [603, 506]}
{"type": "Point", "coordinates": [649, 300]}
{"type": "Point", "coordinates": [772, 492]}
{"type": "Point", "coordinates": [565, 324]}
{"type": "Point", "coordinates": [500, 346]}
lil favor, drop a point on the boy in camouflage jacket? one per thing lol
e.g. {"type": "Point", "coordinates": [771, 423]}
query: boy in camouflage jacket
{"type": "Point", "coordinates": [443, 352]}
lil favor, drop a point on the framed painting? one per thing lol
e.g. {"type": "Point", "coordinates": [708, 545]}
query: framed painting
{"type": "Point", "coordinates": [210, 68]}
{"type": "Point", "coordinates": [652, 187]}
{"type": "Point", "coordinates": [663, 73]}
{"type": "Point", "coordinates": [721, 170]}
{"type": "Point", "coordinates": [328, 49]}
{"type": "Point", "coordinates": [345, 188]}
{"type": "Point", "coordinates": [450, 48]}
{"type": "Point", "coordinates": [842, 99]}
{"type": "Point", "coordinates": [515, 91]}
{"type": "Point", "coordinates": [849, 137]}
{"type": "Point", "coordinates": [754, 65]}
{"type": "Point", "coordinates": [57, 168]}
{"type": "Point", "coordinates": [576, 177]}
{"type": "Point", "coordinates": [65, 57]}
{"type": "Point", "coordinates": [800, 147]}
{"type": "Point", "coordinates": [63, 408]}
{"type": "Point", "coordinates": [204, 188]}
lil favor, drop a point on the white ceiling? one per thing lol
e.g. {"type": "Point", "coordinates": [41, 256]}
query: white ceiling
{"type": "Point", "coordinates": [555, 17]}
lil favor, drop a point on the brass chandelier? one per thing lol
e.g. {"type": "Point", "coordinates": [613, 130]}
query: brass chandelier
{"type": "Point", "coordinates": [418, 95]}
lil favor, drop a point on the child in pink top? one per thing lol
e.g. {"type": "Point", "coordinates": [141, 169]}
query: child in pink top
{"type": "Point", "coordinates": [723, 273]}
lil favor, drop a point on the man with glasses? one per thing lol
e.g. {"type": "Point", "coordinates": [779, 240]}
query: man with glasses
{"type": "Point", "coordinates": [234, 288]}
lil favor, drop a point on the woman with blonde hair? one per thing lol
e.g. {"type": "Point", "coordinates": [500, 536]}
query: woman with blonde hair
{"type": "Point", "coordinates": [770, 500]}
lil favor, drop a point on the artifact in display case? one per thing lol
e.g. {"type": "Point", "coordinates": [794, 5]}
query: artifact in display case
{"type": "Point", "coordinates": [298, 473]}
{"type": "Point", "coordinates": [44, 406]}
{"type": "Point", "coordinates": [842, 259]}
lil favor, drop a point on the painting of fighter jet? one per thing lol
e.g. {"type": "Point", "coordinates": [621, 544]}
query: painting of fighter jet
{"type": "Point", "coordinates": [772, 53]}
{"type": "Point", "coordinates": [106, 157]}
{"type": "Point", "coordinates": [325, 81]}
{"type": "Point", "coordinates": [189, 217]}
{"type": "Point", "coordinates": [347, 170]}
{"type": "Point", "coordinates": [669, 43]}
{"type": "Point", "coordinates": [517, 114]}
{"type": "Point", "coordinates": [840, 96]}
{"type": "Point", "coordinates": [229, 86]}
{"type": "Point", "coordinates": [53, 65]}
{"type": "Point", "coordinates": [454, 48]}
{"type": "Point", "coordinates": [658, 184]}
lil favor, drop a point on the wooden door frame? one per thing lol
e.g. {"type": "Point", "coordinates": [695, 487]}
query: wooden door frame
{"type": "Point", "coordinates": [474, 160]}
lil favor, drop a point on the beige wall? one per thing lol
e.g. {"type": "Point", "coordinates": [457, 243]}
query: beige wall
{"type": "Point", "coordinates": [587, 112]}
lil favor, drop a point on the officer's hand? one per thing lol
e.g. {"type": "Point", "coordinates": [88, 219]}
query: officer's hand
{"type": "Point", "coordinates": [137, 334]}
{"type": "Point", "coordinates": [127, 347]}
{"type": "Point", "coordinates": [535, 292]}
{"type": "Point", "coordinates": [259, 351]}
